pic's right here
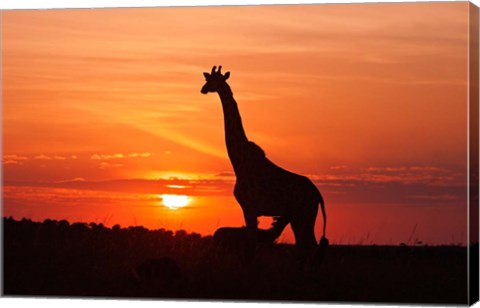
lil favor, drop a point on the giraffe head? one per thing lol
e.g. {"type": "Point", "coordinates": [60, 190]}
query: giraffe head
{"type": "Point", "coordinates": [215, 80]}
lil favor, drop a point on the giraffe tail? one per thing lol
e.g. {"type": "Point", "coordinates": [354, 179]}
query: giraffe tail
{"type": "Point", "coordinates": [323, 240]}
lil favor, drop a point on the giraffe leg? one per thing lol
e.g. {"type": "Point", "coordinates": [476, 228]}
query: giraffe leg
{"type": "Point", "coordinates": [303, 226]}
{"type": "Point", "coordinates": [252, 232]}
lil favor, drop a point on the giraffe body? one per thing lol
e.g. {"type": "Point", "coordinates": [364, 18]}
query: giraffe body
{"type": "Point", "coordinates": [269, 190]}
{"type": "Point", "coordinates": [262, 188]}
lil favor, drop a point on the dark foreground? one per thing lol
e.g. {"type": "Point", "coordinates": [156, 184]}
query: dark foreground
{"type": "Point", "coordinates": [78, 260]}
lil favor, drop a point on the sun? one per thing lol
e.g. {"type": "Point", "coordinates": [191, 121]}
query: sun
{"type": "Point", "coordinates": [174, 202]}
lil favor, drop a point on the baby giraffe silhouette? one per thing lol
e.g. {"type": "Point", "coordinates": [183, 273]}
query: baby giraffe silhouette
{"type": "Point", "coordinates": [263, 188]}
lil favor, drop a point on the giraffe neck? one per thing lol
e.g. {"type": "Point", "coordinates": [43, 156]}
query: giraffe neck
{"type": "Point", "coordinates": [235, 137]}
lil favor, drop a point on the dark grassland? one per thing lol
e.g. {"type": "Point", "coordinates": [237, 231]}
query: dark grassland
{"type": "Point", "coordinates": [55, 258]}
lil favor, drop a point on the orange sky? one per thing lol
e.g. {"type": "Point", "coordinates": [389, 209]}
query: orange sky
{"type": "Point", "coordinates": [102, 110]}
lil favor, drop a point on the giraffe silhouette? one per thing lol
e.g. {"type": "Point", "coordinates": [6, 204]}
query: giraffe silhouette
{"type": "Point", "coordinates": [263, 188]}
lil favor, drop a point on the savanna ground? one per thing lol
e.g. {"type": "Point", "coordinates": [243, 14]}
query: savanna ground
{"type": "Point", "coordinates": [55, 258]}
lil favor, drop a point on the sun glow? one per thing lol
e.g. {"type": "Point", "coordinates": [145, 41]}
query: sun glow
{"type": "Point", "coordinates": [174, 202]}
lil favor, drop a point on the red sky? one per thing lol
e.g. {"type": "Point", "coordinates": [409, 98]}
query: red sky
{"type": "Point", "coordinates": [102, 110]}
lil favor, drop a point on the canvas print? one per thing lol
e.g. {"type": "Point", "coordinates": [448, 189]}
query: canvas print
{"type": "Point", "coordinates": [306, 153]}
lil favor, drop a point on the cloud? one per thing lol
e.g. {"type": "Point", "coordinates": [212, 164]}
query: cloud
{"type": "Point", "coordinates": [13, 159]}
{"type": "Point", "coordinates": [428, 175]}
{"type": "Point", "coordinates": [405, 185]}
{"type": "Point", "coordinates": [42, 157]}
{"type": "Point", "coordinates": [408, 168]}
{"type": "Point", "coordinates": [133, 155]}
{"type": "Point", "coordinates": [200, 187]}
{"type": "Point", "coordinates": [46, 157]}
{"type": "Point", "coordinates": [120, 156]}
{"type": "Point", "coordinates": [78, 179]}
{"type": "Point", "coordinates": [106, 156]}
{"type": "Point", "coordinates": [176, 186]}
{"type": "Point", "coordinates": [438, 197]}
{"type": "Point", "coordinates": [225, 174]}
{"type": "Point", "coordinates": [12, 162]}
{"type": "Point", "coordinates": [105, 165]}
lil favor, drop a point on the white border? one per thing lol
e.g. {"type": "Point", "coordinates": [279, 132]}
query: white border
{"type": "Point", "coordinates": [82, 303]}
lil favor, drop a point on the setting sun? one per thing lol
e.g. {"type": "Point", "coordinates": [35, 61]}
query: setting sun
{"type": "Point", "coordinates": [174, 202]}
